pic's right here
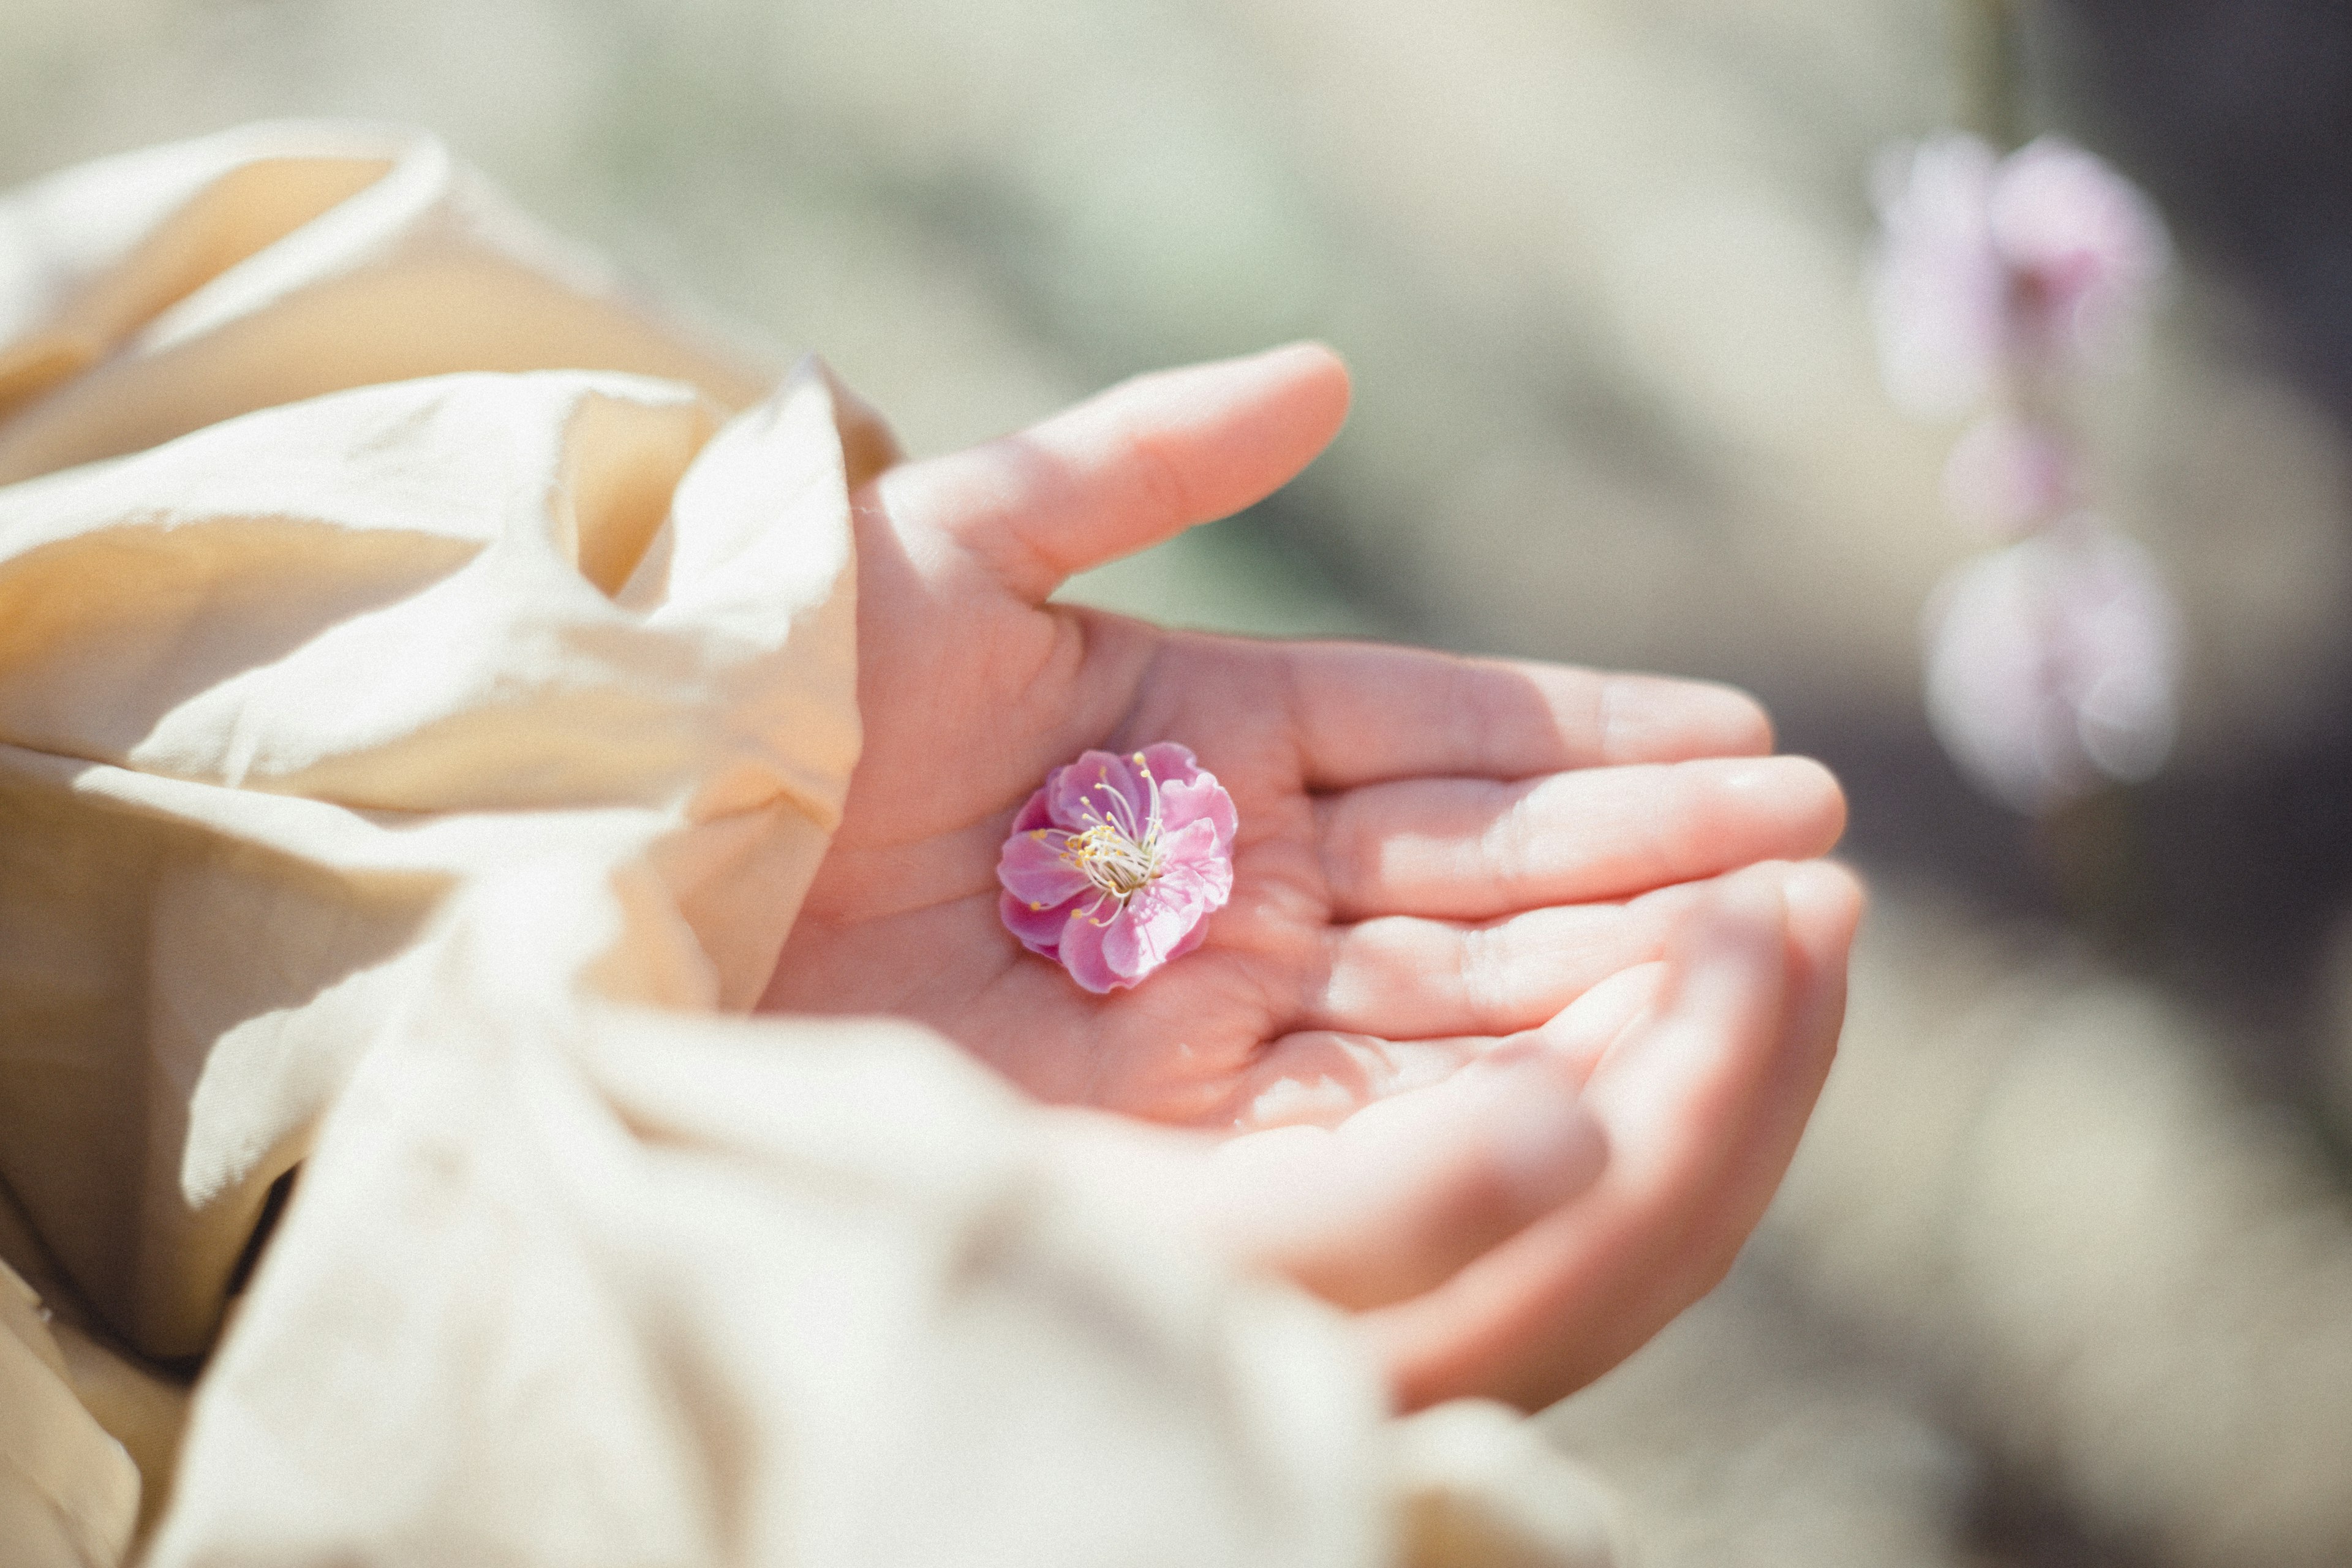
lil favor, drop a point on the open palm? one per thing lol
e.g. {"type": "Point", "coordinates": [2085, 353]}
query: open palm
{"type": "Point", "coordinates": [1527, 985]}
{"type": "Point", "coordinates": [1434, 853]}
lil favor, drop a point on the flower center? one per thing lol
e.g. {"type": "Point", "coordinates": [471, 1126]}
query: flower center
{"type": "Point", "coordinates": [1114, 862]}
{"type": "Point", "coordinates": [1117, 852]}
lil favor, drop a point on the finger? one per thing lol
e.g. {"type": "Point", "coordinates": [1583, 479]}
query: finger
{"type": "Point", "coordinates": [1404, 977]}
{"type": "Point", "coordinates": [1472, 848]}
{"type": "Point", "coordinates": [1364, 714]}
{"type": "Point", "coordinates": [1401, 1195]}
{"type": "Point", "coordinates": [1824, 903]}
{"type": "Point", "coordinates": [1125, 469]}
{"type": "Point", "coordinates": [1319, 1077]}
{"type": "Point", "coordinates": [1408, 978]}
{"type": "Point", "coordinates": [1568, 1296]}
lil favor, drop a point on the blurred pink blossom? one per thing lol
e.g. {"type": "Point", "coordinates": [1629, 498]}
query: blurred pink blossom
{"type": "Point", "coordinates": [1113, 868]}
{"type": "Point", "coordinates": [2009, 476]}
{"type": "Point", "coordinates": [2051, 665]}
{"type": "Point", "coordinates": [1996, 266]}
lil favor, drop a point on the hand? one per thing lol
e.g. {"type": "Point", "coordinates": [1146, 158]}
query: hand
{"type": "Point", "coordinates": [1437, 856]}
{"type": "Point", "coordinates": [1520, 1228]}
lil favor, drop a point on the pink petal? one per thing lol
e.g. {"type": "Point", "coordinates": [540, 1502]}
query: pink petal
{"type": "Point", "coordinates": [1082, 952]}
{"type": "Point", "coordinates": [1146, 933]}
{"type": "Point", "coordinates": [1940, 289]}
{"type": "Point", "coordinates": [1034, 814]}
{"type": "Point", "coordinates": [1039, 930]}
{"type": "Point", "coordinates": [2009, 475]}
{"type": "Point", "coordinates": [1053, 908]}
{"type": "Point", "coordinates": [2052, 665]}
{"type": "Point", "coordinates": [1065, 795]}
{"type": "Point", "coordinates": [1187, 794]}
{"type": "Point", "coordinates": [1033, 868]}
{"type": "Point", "coordinates": [1192, 939]}
{"type": "Point", "coordinates": [1194, 851]}
{"type": "Point", "coordinates": [1202, 800]}
{"type": "Point", "coordinates": [1204, 890]}
{"type": "Point", "coordinates": [1085, 790]}
{"type": "Point", "coordinates": [2088, 241]}
{"type": "Point", "coordinates": [1172, 764]}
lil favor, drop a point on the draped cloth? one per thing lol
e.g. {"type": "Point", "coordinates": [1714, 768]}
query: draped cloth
{"type": "Point", "coordinates": [427, 681]}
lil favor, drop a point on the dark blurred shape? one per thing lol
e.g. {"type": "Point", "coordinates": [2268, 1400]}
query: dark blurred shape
{"type": "Point", "coordinates": [2238, 115]}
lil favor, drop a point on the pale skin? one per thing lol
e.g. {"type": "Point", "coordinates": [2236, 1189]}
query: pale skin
{"type": "Point", "coordinates": [1530, 975]}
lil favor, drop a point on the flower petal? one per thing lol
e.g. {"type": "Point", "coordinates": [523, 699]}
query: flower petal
{"type": "Point", "coordinates": [1147, 931]}
{"type": "Point", "coordinates": [1034, 814]}
{"type": "Point", "coordinates": [1170, 764]}
{"type": "Point", "coordinates": [1188, 793]}
{"type": "Point", "coordinates": [1195, 851]}
{"type": "Point", "coordinates": [2052, 664]}
{"type": "Point", "coordinates": [1056, 910]}
{"type": "Point", "coordinates": [1098, 786]}
{"type": "Point", "coordinates": [2090, 241]}
{"type": "Point", "coordinates": [1039, 930]}
{"type": "Point", "coordinates": [1033, 868]}
{"type": "Point", "coordinates": [1082, 949]}
{"type": "Point", "coordinates": [1202, 800]}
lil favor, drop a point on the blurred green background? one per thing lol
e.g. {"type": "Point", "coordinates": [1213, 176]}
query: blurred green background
{"type": "Point", "coordinates": [2065, 1273]}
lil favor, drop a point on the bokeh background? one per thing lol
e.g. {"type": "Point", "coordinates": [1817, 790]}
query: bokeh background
{"type": "Point", "coordinates": [2063, 1275]}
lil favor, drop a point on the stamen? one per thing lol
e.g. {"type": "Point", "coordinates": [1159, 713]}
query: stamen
{"type": "Point", "coordinates": [1118, 852]}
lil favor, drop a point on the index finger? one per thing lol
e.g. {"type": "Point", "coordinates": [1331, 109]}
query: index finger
{"type": "Point", "coordinates": [1365, 713]}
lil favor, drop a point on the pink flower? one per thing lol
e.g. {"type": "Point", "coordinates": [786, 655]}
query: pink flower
{"type": "Point", "coordinates": [1992, 266]}
{"type": "Point", "coordinates": [1114, 868]}
{"type": "Point", "coordinates": [1937, 287]}
{"type": "Point", "coordinates": [2083, 246]}
{"type": "Point", "coordinates": [2051, 665]}
{"type": "Point", "coordinates": [2009, 476]}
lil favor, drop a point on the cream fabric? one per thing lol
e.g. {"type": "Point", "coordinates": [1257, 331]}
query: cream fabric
{"type": "Point", "coordinates": [69, 1492]}
{"type": "Point", "coordinates": [424, 699]}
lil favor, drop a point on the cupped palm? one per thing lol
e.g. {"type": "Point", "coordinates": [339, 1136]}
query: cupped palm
{"type": "Point", "coordinates": [1598, 884]}
{"type": "Point", "coordinates": [1434, 853]}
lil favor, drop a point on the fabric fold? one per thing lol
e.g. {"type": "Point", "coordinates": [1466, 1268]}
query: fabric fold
{"type": "Point", "coordinates": [428, 683]}
{"type": "Point", "coordinates": [679, 1287]}
{"type": "Point", "coordinates": [296, 675]}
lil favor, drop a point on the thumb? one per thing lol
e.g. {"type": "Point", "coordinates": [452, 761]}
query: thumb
{"type": "Point", "coordinates": [1130, 466]}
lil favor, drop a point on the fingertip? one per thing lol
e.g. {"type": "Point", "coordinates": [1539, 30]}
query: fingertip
{"type": "Point", "coordinates": [1204, 441]}
{"type": "Point", "coordinates": [1737, 936]}
{"type": "Point", "coordinates": [1308, 382]}
{"type": "Point", "coordinates": [1540, 1145]}
{"type": "Point", "coordinates": [1823, 797]}
{"type": "Point", "coordinates": [1826, 901]}
{"type": "Point", "coordinates": [1744, 910]}
{"type": "Point", "coordinates": [1318, 364]}
{"type": "Point", "coordinates": [1654, 718]}
{"type": "Point", "coordinates": [1795, 802]}
{"type": "Point", "coordinates": [1743, 724]}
